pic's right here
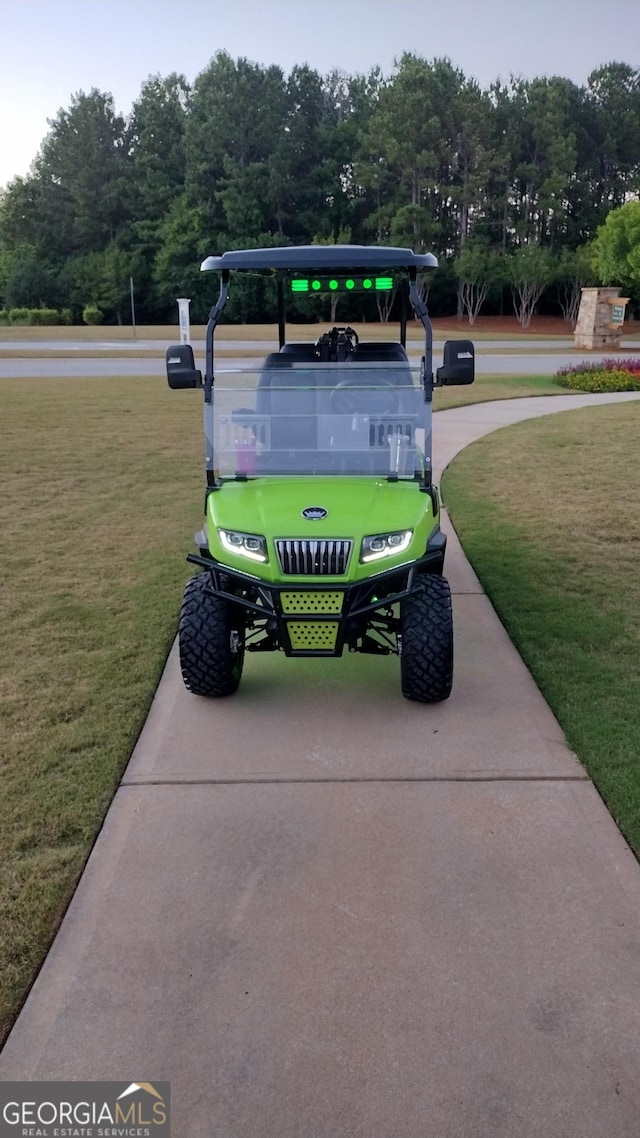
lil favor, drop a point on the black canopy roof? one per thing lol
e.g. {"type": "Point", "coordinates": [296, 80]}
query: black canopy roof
{"type": "Point", "coordinates": [315, 258]}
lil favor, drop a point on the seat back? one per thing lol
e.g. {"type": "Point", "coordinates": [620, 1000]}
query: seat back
{"type": "Point", "coordinates": [378, 352]}
{"type": "Point", "coordinates": [299, 351]}
{"type": "Point", "coordinates": [289, 399]}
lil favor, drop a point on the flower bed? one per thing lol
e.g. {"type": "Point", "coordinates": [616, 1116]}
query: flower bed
{"type": "Point", "coordinates": [601, 375]}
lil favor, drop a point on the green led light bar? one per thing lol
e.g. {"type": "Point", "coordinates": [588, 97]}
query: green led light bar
{"type": "Point", "coordinates": [342, 284]}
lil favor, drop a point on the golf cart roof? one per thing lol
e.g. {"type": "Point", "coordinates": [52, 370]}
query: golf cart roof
{"type": "Point", "coordinates": [318, 257]}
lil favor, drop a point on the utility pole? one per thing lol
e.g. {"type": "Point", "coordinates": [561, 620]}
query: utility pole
{"type": "Point", "coordinates": [133, 307]}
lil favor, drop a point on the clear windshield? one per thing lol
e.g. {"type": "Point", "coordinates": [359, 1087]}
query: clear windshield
{"type": "Point", "coordinates": [339, 419]}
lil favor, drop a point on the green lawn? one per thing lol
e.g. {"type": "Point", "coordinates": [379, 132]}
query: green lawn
{"type": "Point", "coordinates": [547, 512]}
{"type": "Point", "coordinates": [488, 387]}
{"type": "Point", "coordinates": [415, 332]}
{"type": "Point", "coordinates": [102, 492]}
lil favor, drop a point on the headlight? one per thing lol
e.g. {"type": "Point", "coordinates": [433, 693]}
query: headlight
{"type": "Point", "coordinates": [246, 544]}
{"type": "Point", "coordinates": [385, 544]}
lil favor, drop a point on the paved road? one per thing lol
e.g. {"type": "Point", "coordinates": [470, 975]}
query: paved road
{"type": "Point", "coordinates": [486, 364]}
{"type": "Point", "coordinates": [134, 346]}
{"type": "Point", "coordinates": [323, 911]}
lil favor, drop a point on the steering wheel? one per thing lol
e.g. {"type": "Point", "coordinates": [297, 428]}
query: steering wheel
{"type": "Point", "coordinates": [364, 397]}
{"type": "Point", "coordinates": [350, 333]}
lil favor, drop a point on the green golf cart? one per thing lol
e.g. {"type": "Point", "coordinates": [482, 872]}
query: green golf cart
{"type": "Point", "coordinates": [321, 519]}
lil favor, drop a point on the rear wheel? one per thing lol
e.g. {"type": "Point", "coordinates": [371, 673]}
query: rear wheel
{"type": "Point", "coordinates": [426, 659]}
{"type": "Point", "coordinates": [211, 640]}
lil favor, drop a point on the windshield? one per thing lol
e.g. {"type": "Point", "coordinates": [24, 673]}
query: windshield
{"type": "Point", "coordinates": [337, 419]}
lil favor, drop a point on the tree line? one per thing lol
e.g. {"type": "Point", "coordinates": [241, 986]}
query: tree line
{"type": "Point", "coordinates": [508, 185]}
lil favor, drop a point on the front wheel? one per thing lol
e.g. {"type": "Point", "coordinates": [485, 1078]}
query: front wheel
{"type": "Point", "coordinates": [426, 656]}
{"type": "Point", "coordinates": [211, 640]}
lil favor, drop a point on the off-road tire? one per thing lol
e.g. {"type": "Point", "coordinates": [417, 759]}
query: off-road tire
{"type": "Point", "coordinates": [426, 659]}
{"type": "Point", "coordinates": [211, 640]}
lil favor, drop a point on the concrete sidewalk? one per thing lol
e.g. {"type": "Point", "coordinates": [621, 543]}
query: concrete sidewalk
{"type": "Point", "coordinates": [320, 910]}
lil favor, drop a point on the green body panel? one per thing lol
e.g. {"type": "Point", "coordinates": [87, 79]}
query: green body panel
{"type": "Point", "coordinates": [356, 507]}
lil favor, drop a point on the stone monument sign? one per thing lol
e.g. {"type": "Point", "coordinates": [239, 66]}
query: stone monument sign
{"type": "Point", "coordinates": [600, 319]}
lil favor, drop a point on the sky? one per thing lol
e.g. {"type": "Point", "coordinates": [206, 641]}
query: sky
{"type": "Point", "coordinates": [51, 49]}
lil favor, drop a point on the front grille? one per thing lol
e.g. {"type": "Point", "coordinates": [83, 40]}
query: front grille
{"type": "Point", "coordinates": [301, 557]}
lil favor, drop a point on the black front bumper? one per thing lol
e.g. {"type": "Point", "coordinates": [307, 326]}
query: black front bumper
{"type": "Point", "coordinates": [355, 609]}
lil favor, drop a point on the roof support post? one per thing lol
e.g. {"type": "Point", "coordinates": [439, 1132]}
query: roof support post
{"type": "Point", "coordinates": [403, 312]}
{"type": "Point", "coordinates": [420, 308]}
{"type": "Point", "coordinates": [214, 317]}
{"type": "Point", "coordinates": [281, 312]}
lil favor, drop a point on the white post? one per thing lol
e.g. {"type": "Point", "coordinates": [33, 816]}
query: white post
{"type": "Point", "coordinates": [183, 317]}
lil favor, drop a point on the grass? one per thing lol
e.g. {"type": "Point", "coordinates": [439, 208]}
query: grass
{"type": "Point", "coordinates": [488, 387]}
{"type": "Point", "coordinates": [415, 333]}
{"type": "Point", "coordinates": [547, 513]}
{"type": "Point", "coordinates": [102, 492]}
{"type": "Point", "coordinates": [389, 331]}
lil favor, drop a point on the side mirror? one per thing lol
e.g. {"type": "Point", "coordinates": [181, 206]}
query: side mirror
{"type": "Point", "coordinates": [458, 363]}
{"type": "Point", "coordinates": [181, 368]}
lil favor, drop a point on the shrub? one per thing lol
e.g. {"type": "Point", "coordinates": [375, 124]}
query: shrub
{"type": "Point", "coordinates": [44, 316]}
{"type": "Point", "coordinates": [33, 316]}
{"type": "Point", "coordinates": [19, 315]}
{"type": "Point", "coordinates": [600, 379]}
{"type": "Point", "coordinates": [91, 314]}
